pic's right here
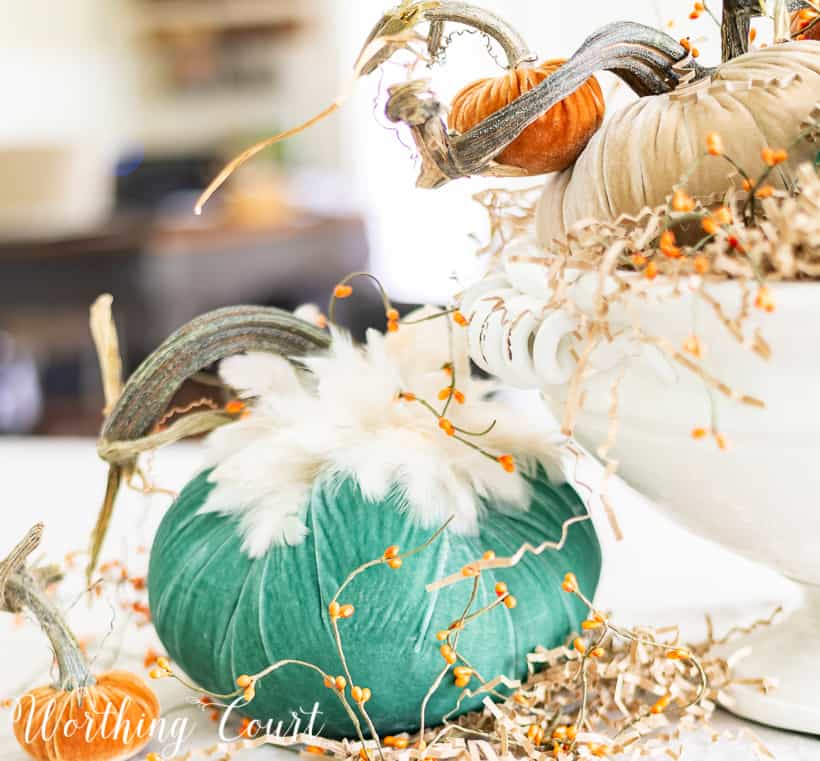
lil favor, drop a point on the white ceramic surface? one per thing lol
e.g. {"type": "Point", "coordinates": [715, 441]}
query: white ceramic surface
{"type": "Point", "coordinates": [761, 498]}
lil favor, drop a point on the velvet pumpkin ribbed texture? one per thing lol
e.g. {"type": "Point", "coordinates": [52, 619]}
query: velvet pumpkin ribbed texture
{"type": "Point", "coordinates": [554, 140]}
{"type": "Point", "coordinates": [221, 614]}
{"type": "Point", "coordinates": [54, 725]}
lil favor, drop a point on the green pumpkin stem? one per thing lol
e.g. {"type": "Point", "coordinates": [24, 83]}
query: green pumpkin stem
{"type": "Point", "coordinates": [23, 589]}
{"type": "Point", "coordinates": [128, 430]}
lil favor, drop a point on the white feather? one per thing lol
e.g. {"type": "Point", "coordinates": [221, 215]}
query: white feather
{"type": "Point", "coordinates": [344, 420]}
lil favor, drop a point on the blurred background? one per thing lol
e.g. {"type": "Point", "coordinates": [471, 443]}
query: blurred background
{"type": "Point", "coordinates": [118, 112]}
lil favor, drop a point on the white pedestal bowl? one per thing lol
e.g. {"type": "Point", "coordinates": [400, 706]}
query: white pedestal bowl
{"type": "Point", "coordinates": [760, 498]}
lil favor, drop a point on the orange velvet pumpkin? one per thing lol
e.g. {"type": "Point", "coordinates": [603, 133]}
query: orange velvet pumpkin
{"type": "Point", "coordinates": [555, 139]}
{"type": "Point", "coordinates": [57, 725]}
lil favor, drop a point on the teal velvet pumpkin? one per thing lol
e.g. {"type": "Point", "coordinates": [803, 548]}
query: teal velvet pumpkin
{"type": "Point", "coordinates": [221, 614]}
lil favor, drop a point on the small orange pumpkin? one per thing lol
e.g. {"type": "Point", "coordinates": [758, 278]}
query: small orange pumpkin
{"type": "Point", "coordinates": [79, 718]}
{"type": "Point", "coordinates": [52, 724]}
{"type": "Point", "coordinates": [555, 139]}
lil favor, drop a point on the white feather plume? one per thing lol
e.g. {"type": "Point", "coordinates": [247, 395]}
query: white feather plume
{"type": "Point", "coordinates": [343, 419]}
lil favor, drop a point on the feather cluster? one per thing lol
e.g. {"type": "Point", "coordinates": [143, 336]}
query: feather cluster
{"type": "Point", "coordinates": [342, 417]}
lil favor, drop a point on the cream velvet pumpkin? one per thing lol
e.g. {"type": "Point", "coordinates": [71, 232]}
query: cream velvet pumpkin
{"type": "Point", "coordinates": [756, 100]}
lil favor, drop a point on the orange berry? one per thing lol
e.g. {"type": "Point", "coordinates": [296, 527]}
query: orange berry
{"type": "Point", "coordinates": [507, 462]}
{"type": "Point", "coordinates": [407, 396]}
{"type": "Point", "coordinates": [560, 733]}
{"type": "Point", "coordinates": [461, 681]}
{"type": "Point", "coordinates": [157, 673]}
{"type": "Point", "coordinates": [458, 396]}
{"type": "Point", "coordinates": [714, 144]}
{"type": "Point", "coordinates": [244, 681]}
{"type": "Point", "coordinates": [722, 442]}
{"type": "Point", "coordinates": [667, 245]}
{"type": "Point", "coordinates": [695, 53]}
{"type": "Point", "coordinates": [766, 191]}
{"type": "Point", "coordinates": [510, 601]}
{"type": "Point", "coordinates": [678, 654]}
{"type": "Point", "coordinates": [334, 609]}
{"type": "Point", "coordinates": [651, 271]}
{"type": "Point", "coordinates": [661, 705]}
{"type": "Point", "coordinates": [391, 551]}
{"type": "Point", "coordinates": [488, 555]}
{"type": "Point", "coordinates": [314, 750]}
{"type": "Point", "coordinates": [764, 299]}
{"type": "Point", "coordinates": [446, 426]}
{"type": "Point", "coordinates": [392, 326]}
{"type": "Point", "coordinates": [462, 671]}
{"type": "Point", "coordinates": [746, 184]}
{"type": "Point", "coordinates": [329, 682]}
{"type": "Point", "coordinates": [164, 664]}
{"type": "Point", "coordinates": [346, 611]}
{"type": "Point", "coordinates": [470, 570]}
{"type": "Point", "coordinates": [701, 264]}
{"type": "Point", "coordinates": [685, 44]}
{"type": "Point", "coordinates": [395, 563]}
{"type": "Point", "coordinates": [570, 583]}
{"type": "Point", "coordinates": [597, 652]}
{"type": "Point", "coordinates": [699, 433]}
{"type": "Point", "coordinates": [340, 683]}
{"type": "Point", "coordinates": [752, 35]}
{"type": "Point", "coordinates": [441, 635]}
{"type": "Point", "coordinates": [682, 201]}
{"type": "Point", "coordinates": [501, 589]}
{"type": "Point", "coordinates": [356, 693]}
{"type": "Point", "coordinates": [448, 654]}
{"type": "Point", "coordinates": [249, 694]}
{"type": "Point", "coordinates": [709, 225]}
{"type": "Point", "coordinates": [235, 407]}
{"type": "Point", "coordinates": [693, 346]}
{"type": "Point", "coordinates": [694, 15]}
{"type": "Point", "coordinates": [579, 645]}
{"type": "Point", "coordinates": [638, 260]}
{"type": "Point", "coordinates": [153, 757]}
{"type": "Point", "coordinates": [342, 291]}
{"type": "Point", "coordinates": [399, 743]}
{"type": "Point", "coordinates": [589, 624]}
{"type": "Point", "coordinates": [460, 319]}
{"type": "Point", "coordinates": [392, 315]}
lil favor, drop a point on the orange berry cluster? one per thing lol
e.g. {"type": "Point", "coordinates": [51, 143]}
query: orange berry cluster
{"type": "Point", "coordinates": [248, 684]}
{"type": "Point", "coordinates": [668, 245]}
{"type": "Point", "coordinates": [162, 670]}
{"type": "Point", "coordinates": [720, 439]}
{"type": "Point", "coordinates": [448, 392]}
{"type": "Point", "coordinates": [714, 144]}
{"type": "Point", "coordinates": [764, 299]}
{"type": "Point", "coordinates": [337, 611]}
{"type": "Point", "coordinates": [391, 556]}
{"type": "Point", "coordinates": [689, 48]}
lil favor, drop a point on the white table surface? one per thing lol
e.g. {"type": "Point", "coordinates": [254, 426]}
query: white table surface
{"type": "Point", "coordinates": [61, 481]}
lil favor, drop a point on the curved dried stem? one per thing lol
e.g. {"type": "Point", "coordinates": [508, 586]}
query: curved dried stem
{"type": "Point", "coordinates": [16, 560]}
{"type": "Point", "coordinates": [648, 60]}
{"type": "Point", "coordinates": [200, 343]}
{"type": "Point", "coordinates": [21, 588]}
{"type": "Point", "coordinates": [438, 14]}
